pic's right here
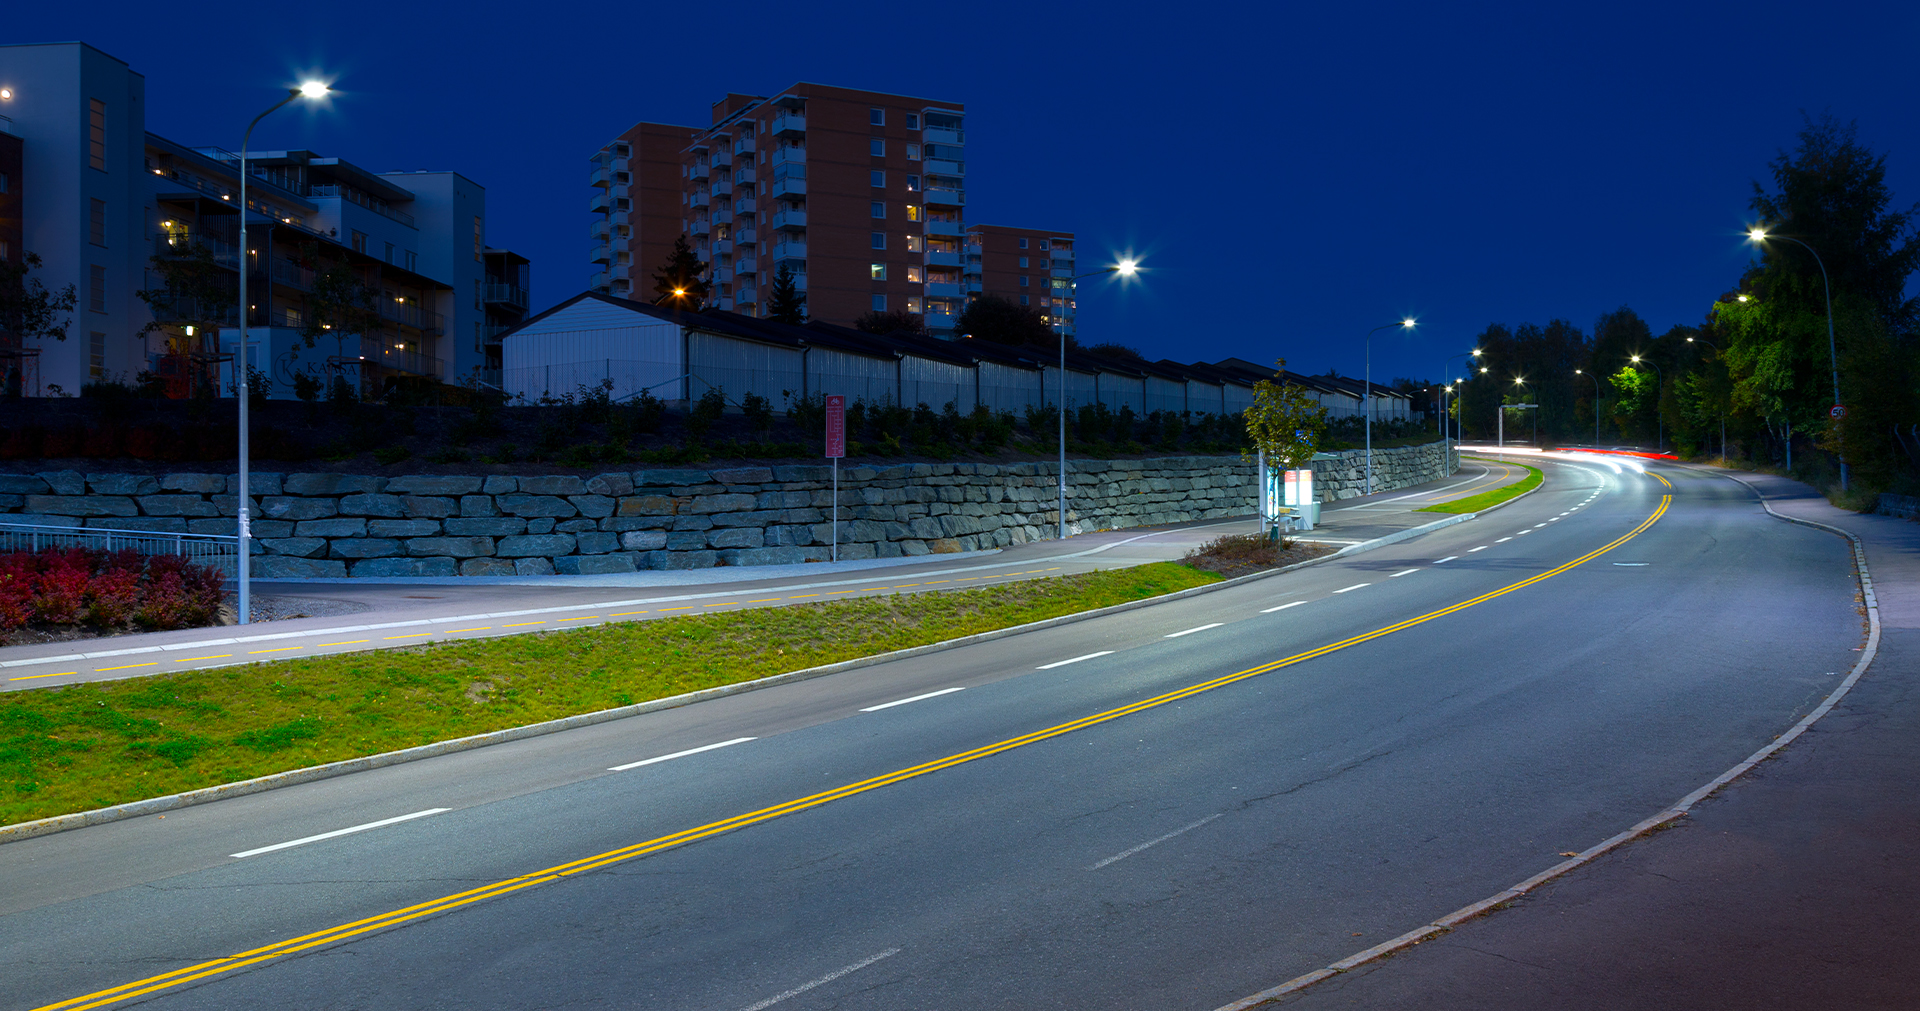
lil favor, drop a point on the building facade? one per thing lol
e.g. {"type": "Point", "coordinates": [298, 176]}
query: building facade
{"type": "Point", "coordinates": [353, 275]}
{"type": "Point", "coordinates": [637, 207]}
{"type": "Point", "coordinates": [1028, 266]}
{"type": "Point", "coordinates": [859, 194]}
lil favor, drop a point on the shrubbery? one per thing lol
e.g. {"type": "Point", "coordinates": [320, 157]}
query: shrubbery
{"type": "Point", "coordinates": [105, 590]}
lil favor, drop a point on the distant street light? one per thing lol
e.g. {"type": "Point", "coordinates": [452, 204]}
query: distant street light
{"type": "Point", "coordinates": [1596, 403]}
{"type": "Point", "coordinates": [1445, 414]}
{"type": "Point", "coordinates": [1125, 268]}
{"type": "Point", "coordinates": [1660, 423]}
{"type": "Point", "coordinates": [1723, 414]}
{"type": "Point", "coordinates": [310, 90]}
{"type": "Point", "coordinates": [1366, 394]}
{"type": "Point", "coordinates": [1759, 235]}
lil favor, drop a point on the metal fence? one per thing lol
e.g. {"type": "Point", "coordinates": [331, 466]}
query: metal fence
{"type": "Point", "coordinates": [206, 549]}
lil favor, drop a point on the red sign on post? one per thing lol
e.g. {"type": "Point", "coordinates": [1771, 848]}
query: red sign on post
{"type": "Point", "coordinates": [836, 427]}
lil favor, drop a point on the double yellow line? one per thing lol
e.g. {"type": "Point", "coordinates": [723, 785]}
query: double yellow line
{"type": "Point", "coordinates": [180, 977]}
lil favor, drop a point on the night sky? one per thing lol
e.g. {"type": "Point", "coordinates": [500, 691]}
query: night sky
{"type": "Point", "coordinates": [1290, 175]}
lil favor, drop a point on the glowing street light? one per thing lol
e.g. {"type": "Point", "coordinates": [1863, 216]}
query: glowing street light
{"type": "Point", "coordinates": [1125, 268]}
{"type": "Point", "coordinates": [311, 91]}
{"type": "Point", "coordinates": [1596, 402]}
{"type": "Point", "coordinates": [1759, 235]}
{"type": "Point", "coordinates": [1444, 413]}
{"type": "Point", "coordinates": [1366, 392]}
{"type": "Point", "coordinates": [1660, 423]}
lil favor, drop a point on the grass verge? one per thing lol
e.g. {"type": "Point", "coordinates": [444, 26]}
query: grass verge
{"type": "Point", "coordinates": [1475, 503]}
{"type": "Point", "coordinates": [86, 746]}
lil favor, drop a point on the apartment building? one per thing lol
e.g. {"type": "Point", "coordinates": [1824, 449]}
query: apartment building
{"type": "Point", "coordinates": [860, 193]}
{"type": "Point", "coordinates": [116, 210]}
{"type": "Point", "coordinates": [637, 207]}
{"type": "Point", "coordinates": [1028, 266]}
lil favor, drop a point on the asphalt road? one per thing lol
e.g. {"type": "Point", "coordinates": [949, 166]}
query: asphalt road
{"type": "Point", "coordinates": [1177, 855]}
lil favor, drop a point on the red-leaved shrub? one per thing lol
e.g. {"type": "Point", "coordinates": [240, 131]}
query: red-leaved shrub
{"type": "Point", "coordinates": [106, 590]}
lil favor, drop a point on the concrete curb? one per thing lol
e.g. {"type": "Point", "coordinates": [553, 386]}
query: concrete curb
{"type": "Point", "coordinates": [1659, 820]}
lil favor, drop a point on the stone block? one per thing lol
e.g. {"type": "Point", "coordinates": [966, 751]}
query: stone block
{"type": "Point", "coordinates": [429, 507]}
{"type": "Point", "coordinates": [615, 485]}
{"type": "Point", "coordinates": [789, 536]}
{"type": "Point", "coordinates": [433, 484]}
{"type": "Point", "coordinates": [574, 526]}
{"type": "Point", "coordinates": [540, 525]}
{"type": "Point", "coordinates": [596, 506]}
{"type": "Point", "coordinates": [258, 528]}
{"type": "Point", "coordinates": [533, 567]}
{"type": "Point", "coordinates": [802, 475]}
{"type": "Point", "coordinates": [296, 547]}
{"type": "Point", "coordinates": [487, 567]}
{"type": "Point", "coordinates": [724, 503]}
{"type": "Point", "coordinates": [643, 540]}
{"type": "Point", "coordinates": [593, 565]}
{"type": "Point", "coordinates": [737, 537]}
{"type": "Point", "coordinates": [913, 548]}
{"type": "Point", "coordinates": [194, 484]}
{"type": "Point", "coordinates": [224, 525]}
{"type": "Point", "coordinates": [560, 484]}
{"type": "Point", "coordinates": [258, 483]}
{"type": "Point", "coordinates": [43, 520]}
{"type": "Point", "coordinates": [457, 547]}
{"type": "Point", "coordinates": [331, 484]}
{"type": "Point", "coordinates": [161, 524]}
{"type": "Point", "coordinates": [492, 526]}
{"type": "Point", "coordinates": [335, 527]}
{"type": "Point", "coordinates": [647, 478]}
{"type": "Point", "coordinates": [367, 504]}
{"type": "Point", "coordinates": [743, 475]}
{"type": "Point", "coordinates": [682, 559]}
{"type": "Point", "coordinates": [532, 545]}
{"type": "Point", "coordinates": [64, 482]}
{"type": "Point", "coordinates": [622, 524]}
{"type": "Point", "coordinates": [857, 552]}
{"type": "Point", "coordinates": [686, 540]}
{"type": "Point", "coordinates": [535, 505]}
{"type": "Point", "coordinates": [925, 528]}
{"type": "Point", "coordinates": [949, 546]}
{"type": "Point", "coordinates": [773, 556]}
{"type": "Point", "coordinates": [405, 567]}
{"type": "Point", "coordinates": [363, 547]}
{"type": "Point", "coordinates": [291, 567]}
{"type": "Point", "coordinates": [81, 505]}
{"type": "Point", "coordinates": [402, 528]}
{"type": "Point", "coordinates": [477, 506]}
{"type": "Point", "coordinates": [24, 484]}
{"type": "Point", "coordinates": [596, 542]}
{"type": "Point", "coordinates": [122, 484]}
{"type": "Point", "coordinates": [280, 507]}
{"type": "Point", "coordinates": [499, 484]}
{"type": "Point", "coordinates": [176, 505]}
{"type": "Point", "coordinates": [648, 505]}
{"type": "Point", "coordinates": [693, 523]}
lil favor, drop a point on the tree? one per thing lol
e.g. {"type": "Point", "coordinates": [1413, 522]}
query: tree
{"type": "Point", "coordinates": [1108, 349]}
{"type": "Point", "coordinates": [891, 321]}
{"type": "Point", "coordinates": [785, 304]}
{"type": "Point", "coordinates": [1001, 320]}
{"type": "Point", "coordinates": [196, 290]}
{"type": "Point", "coordinates": [28, 310]}
{"type": "Point", "coordinates": [1284, 421]}
{"type": "Point", "coordinates": [680, 282]}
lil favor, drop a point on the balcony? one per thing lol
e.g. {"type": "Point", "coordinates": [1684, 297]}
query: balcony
{"type": "Point", "coordinates": [701, 226]}
{"type": "Point", "coordinates": [722, 275]}
{"type": "Point", "coordinates": [789, 125]}
{"type": "Point", "coordinates": [939, 319]}
{"type": "Point", "coordinates": [789, 187]}
{"type": "Point", "coordinates": [699, 199]}
{"type": "Point", "coordinates": [721, 161]}
{"type": "Point", "coordinates": [800, 277]}
{"type": "Point", "coordinates": [506, 294]}
{"type": "Point", "coordinates": [746, 237]}
{"type": "Point", "coordinates": [789, 221]}
{"type": "Point", "coordinates": [744, 267]}
{"type": "Point", "coordinates": [933, 136]}
{"type": "Point", "coordinates": [384, 354]}
{"type": "Point", "coordinates": [699, 172]}
{"type": "Point", "coordinates": [743, 146]}
{"type": "Point", "coordinates": [974, 286]}
{"type": "Point", "coordinates": [940, 167]}
{"type": "Point", "coordinates": [790, 154]}
{"type": "Point", "coordinates": [744, 204]}
{"type": "Point", "coordinates": [790, 250]}
{"type": "Point", "coordinates": [942, 196]}
{"type": "Point", "coordinates": [490, 333]}
{"type": "Point", "coordinates": [937, 289]}
{"type": "Point", "coordinates": [744, 177]}
{"type": "Point", "coordinates": [746, 296]}
{"type": "Point", "coordinates": [408, 314]}
{"type": "Point", "coordinates": [722, 216]}
{"type": "Point", "coordinates": [721, 188]}
{"type": "Point", "coordinates": [602, 253]}
{"type": "Point", "coordinates": [599, 280]}
{"type": "Point", "coordinates": [172, 244]}
{"type": "Point", "coordinates": [599, 203]}
{"type": "Point", "coordinates": [938, 259]}
{"type": "Point", "coordinates": [600, 229]}
{"type": "Point", "coordinates": [1059, 271]}
{"type": "Point", "coordinates": [722, 247]}
{"type": "Point", "coordinates": [291, 274]}
{"type": "Point", "coordinates": [600, 177]}
{"type": "Point", "coordinates": [943, 228]}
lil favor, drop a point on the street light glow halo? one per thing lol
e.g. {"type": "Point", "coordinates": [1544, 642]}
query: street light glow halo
{"type": "Point", "coordinates": [1756, 234]}
{"type": "Point", "coordinates": [1126, 268]}
{"type": "Point", "coordinates": [314, 89]}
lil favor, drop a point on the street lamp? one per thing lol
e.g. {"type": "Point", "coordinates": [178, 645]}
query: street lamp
{"type": "Point", "coordinates": [1723, 414]}
{"type": "Point", "coordinates": [1660, 423]}
{"type": "Point", "coordinates": [1444, 368]}
{"type": "Point", "coordinates": [1520, 381]}
{"type": "Point", "coordinates": [310, 90]}
{"type": "Point", "coordinates": [1125, 268]}
{"type": "Point", "coordinates": [1759, 235]}
{"type": "Point", "coordinates": [1596, 402]}
{"type": "Point", "coordinates": [1366, 394]}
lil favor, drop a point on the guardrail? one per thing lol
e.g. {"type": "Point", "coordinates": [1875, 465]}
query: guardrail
{"type": "Point", "coordinates": [203, 548]}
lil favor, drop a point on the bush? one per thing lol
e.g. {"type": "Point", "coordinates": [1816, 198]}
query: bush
{"type": "Point", "coordinates": [108, 591]}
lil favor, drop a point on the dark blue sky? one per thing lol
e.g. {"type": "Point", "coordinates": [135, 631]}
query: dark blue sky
{"type": "Point", "coordinates": [1292, 174]}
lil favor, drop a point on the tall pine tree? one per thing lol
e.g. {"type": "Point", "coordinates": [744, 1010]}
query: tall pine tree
{"type": "Point", "coordinates": [785, 304]}
{"type": "Point", "coordinates": [680, 284]}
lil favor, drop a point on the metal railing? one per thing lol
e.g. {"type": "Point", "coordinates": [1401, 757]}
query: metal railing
{"type": "Point", "coordinates": [507, 294]}
{"type": "Point", "coordinates": [203, 548]}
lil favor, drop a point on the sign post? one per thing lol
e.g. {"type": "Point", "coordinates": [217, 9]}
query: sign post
{"type": "Point", "coordinates": [836, 448]}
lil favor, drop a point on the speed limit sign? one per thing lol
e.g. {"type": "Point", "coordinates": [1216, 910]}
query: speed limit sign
{"type": "Point", "coordinates": [1838, 411]}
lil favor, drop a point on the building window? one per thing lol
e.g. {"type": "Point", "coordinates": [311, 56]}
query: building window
{"type": "Point", "coordinates": [879, 208]}
{"type": "Point", "coordinates": [913, 152]}
{"type": "Point", "coordinates": [97, 222]}
{"type": "Point", "coordinates": [913, 275]}
{"type": "Point", "coordinates": [6, 251]}
{"type": "Point", "coordinates": [878, 117]}
{"type": "Point", "coordinates": [5, 182]}
{"type": "Point", "coordinates": [880, 271]}
{"type": "Point", "coordinates": [877, 178]}
{"type": "Point", "coordinates": [1023, 263]}
{"type": "Point", "coordinates": [96, 354]}
{"type": "Point", "coordinates": [97, 134]}
{"type": "Point", "coordinates": [97, 288]}
{"type": "Point", "coordinates": [359, 242]}
{"type": "Point", "coordinates": [479, 240]}
{"type": "Point", "coordinates": [477, 287]}
{"type": "Point", "coordinates": [1023, 298]}
{"type": "Point", "coordinates": [389, 252]}
{"type": "Point", "coordinates": [410, 259]}
{"type": "Point", "coordinates": [913, 243]}
{"type": "Point", "coordinates": [879, 303]}
{"type": "Point", "coordinates": [913, 184]}
{"type": "Point", "coordinates": [1043, 243]}
{"type": "Point", "coordinates": [913, 304]}
{"type": "Point", "coordinates": [1023, 280]}
{"type": "Point", "coordinates": [1023, 245]}
{"type": "Point", "coordinates": [879, 240]}
{"type": "Point", "coordinates": [913, 121]}
{"type": "Point", "coordinates": [913, 212]}
{"type": "Point", "coordinates": [877, 148]}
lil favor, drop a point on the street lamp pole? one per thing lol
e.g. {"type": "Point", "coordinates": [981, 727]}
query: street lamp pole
{"type": "Point", "coordinates": [1125, 268]}
{"type": "Point", "coordinates": [1366, 395]}
{"type": "Point", "coordinates": [241, 368]}
{"type": "Point", "coordinates": [1445, 367]}
{"type": "Point", "coordinates": [1723, 422]}
{"type": "Point", "coordinates": [1596, 403]}
{"type": "Point", "coordinates": [1759, 235]}
{"type": "Point", "coordinates": [1660, 423]}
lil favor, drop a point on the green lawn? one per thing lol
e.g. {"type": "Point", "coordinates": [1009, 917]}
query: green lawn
{"type": "Point", "coordinates": [1475, 503]}
{"type": "Point", "coordinates": [85, 746]}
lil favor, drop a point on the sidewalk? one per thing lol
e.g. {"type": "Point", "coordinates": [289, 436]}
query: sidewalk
{"type": "Point", "coordinates": [1797, 886]}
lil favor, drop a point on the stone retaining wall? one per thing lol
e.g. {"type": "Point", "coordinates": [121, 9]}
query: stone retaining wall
{"type": "Point", "coordinates": [309, 525]}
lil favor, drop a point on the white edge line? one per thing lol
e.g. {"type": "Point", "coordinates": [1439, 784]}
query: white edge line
{"type": "Point", "coordinates": [1449, 558]}
{"type": "Point", "coordinates": [1353, 587]}
{"type": "Point", "coordinates": [822, 981]}
{"type": "Point", "coordinates": [681, 754]}
{"type": "Point", "coordinates": [1282, 607]}
{"type": "Point", "coordinates": [340, 832]}
{"type": "Point", "coordinates": [1190, 631]}
{"type": "Point", "coordinates": [1123, 854]}
{"type": "Point", "coordinates": [1679, 810]}
{"type": "Point", "coordinates": [1077, 659]}
{"type": "Point", "coordinates": [916, 698]}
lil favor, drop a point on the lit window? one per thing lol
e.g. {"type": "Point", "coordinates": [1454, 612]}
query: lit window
{"type": "Point", "coordinates": [913, 243]}
{"type": "Point", "coordinates": [877, 148]}
{"type": "Point", "coordinates": [877, 178]}
{"type": "Point", "coordinates": [913, 184]}
{"type": "Point", "coordinates": [913, 212]}
{"type": "Point", "coordinates": [913, 304]}
{"type": "Point", "coordinates": [880, 240]}
{"type": "Point", "coordinates": [913, 274]}
{"type": "Point", "coordinates": [878, 117]}
{"type": "Point", "coordinates": [1023, 280]}
{"type": "Point", "coordinates": [913, 121]}
{"type": "Point", "coordinates": [879, 303]}
{"type": "Point", "coordinates": [913, 152]}
{"type": "Point", "coordinates": [880, 271]}
{"type": "Point", "coordinates": [1023, 262]}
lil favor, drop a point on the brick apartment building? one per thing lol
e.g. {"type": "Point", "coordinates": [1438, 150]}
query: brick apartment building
{"type": "Point", "coordinates": [1030, 266]}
